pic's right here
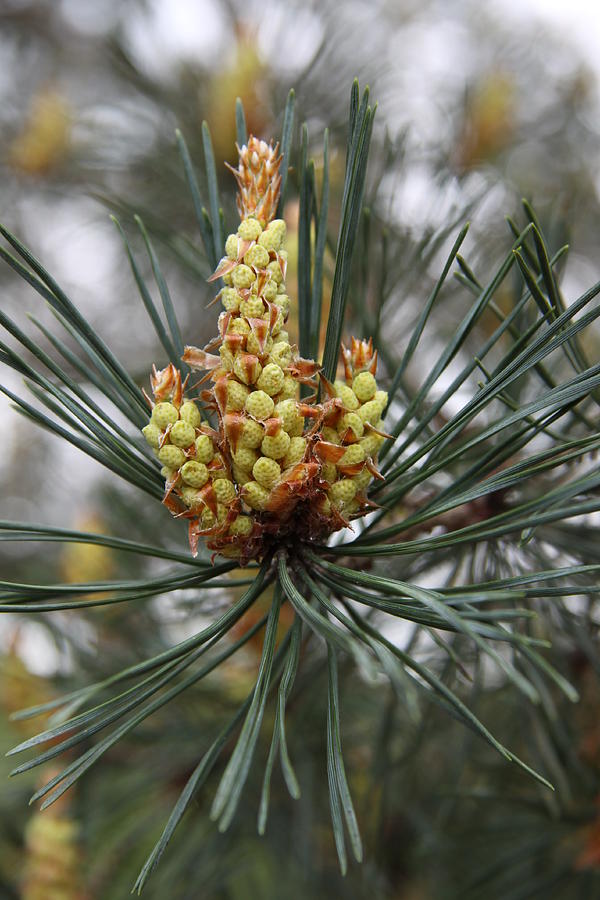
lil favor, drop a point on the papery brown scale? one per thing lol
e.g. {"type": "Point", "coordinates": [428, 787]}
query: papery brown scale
{"type": "Point", "coordinates": [261, 279]}
{"type": "Point", "coordinates": [347, 360]}
{"type": "Point", "coordinates": [309, 412]}
{"type": "Point", "coordinates": [349, 437]}
{"type": "Point", "coordinates": [249, 364]}
{"type": "Point", "coordinates": [205, 428]}
{"type": "Point", "coordinates": [304, 368]}
{"type": "Point", "coordinates": [260, 330]}
{"type": "Point", "coordinates": [208, 497]}
{"type": "Point", "coordinates": [206, 377]}
{"type": "Point", "coordinates": [169, 486]}
{"type": "Point", "coordinates": [223, 322]}
{"type": "Point", "coordinates": [383, 434]}
{"type": "Point", "coordinates": [200, 359]}
{"type": "Point", "coordinates": [224, 268]}
{"type": "Point", "coordinates": [220, 392]}
{"type": "Point", "coordinates": [166, 384]}
{"type": "Point", "coordinates": [214, 344]}
{"type": "Point", "coordinates": [361, 353]}
{"type": "Point", "coordinates": [194, 532]}
{"type": "Point", "coordinates": [208, 398]}
{"type": "Point", "coordinates": [216, 465]}
{"type": "Point", "coordinates": [272, 426]}
{"type": "Point", "coordinates": [354, 469]}
{"type": "Point", "coordinates": [173, 504]}
{"type": "Point", "coordinates": [233, 424]}
{"type": "Point", "coordinates": [329, 452]}
{"type": "Point", "coordinates": [164, 438]}
{"type": "Point", "coordinates": [234, 342]}
{"type": "Point", "coordinates": [373, 367]}
{"type": "Point", "coordinates": [329, 388]}
{"type": "Point", "coordinates": [285, 496]}
{"type": "Point", "coordinates": [243, 247]}
{"type": "Point", "coordinates": [374, 470]}
{"type": "Point", "coordinates": [282, 265]}
{"type": "Point", "coordinates": [273, 313]}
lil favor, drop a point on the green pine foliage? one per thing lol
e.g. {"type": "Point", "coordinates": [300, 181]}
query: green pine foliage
{"type": "Point", "coordinates": [481, 535]}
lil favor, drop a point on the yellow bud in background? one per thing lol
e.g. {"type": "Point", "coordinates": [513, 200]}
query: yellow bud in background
{"type": "Point", "coordinates": [190, 496]}
{"type": "Point", "coordinates": [377, 437]}
{"type": "Point", "coordinates": [329, 472]}
{"type": "Point", "coordinates": [274, 236]}
{"type": "Point", "coordinates": [286, 411]}
{"type": "Point", "coordinates": [382, 398]}
{"type": "Point", "coordinates": [282, 302]}
{"type": "Point", "coordinates": [330, 435]}
{"type": "Point", "coordinates": [238, 326]}
{"type": "Point", "coordinates": [227, 358]}
{"type": "Point", "coordinates": [370, 444]}
{"type": "Point", "coordinates": [241, 476]}
{"type": "Point", "coordinates": [208, 518]}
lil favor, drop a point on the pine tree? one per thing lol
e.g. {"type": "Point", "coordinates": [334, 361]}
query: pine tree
{"type": "Point", "coordinates": [482, 529]}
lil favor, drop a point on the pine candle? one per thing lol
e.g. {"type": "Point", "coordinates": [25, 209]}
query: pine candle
{"type": "Point", "coordinates": [276, 465]}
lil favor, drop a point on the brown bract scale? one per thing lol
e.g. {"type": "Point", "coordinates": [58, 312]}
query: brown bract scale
{"type": "Point", "coordinates": [272, 467]}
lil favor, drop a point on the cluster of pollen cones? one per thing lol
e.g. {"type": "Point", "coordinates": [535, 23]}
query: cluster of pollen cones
{"type": "Point", "coordinates": [271, 465]}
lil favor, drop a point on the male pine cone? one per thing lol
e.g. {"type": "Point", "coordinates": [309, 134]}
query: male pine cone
{"type": "Point", "coordinates": [273, 465]}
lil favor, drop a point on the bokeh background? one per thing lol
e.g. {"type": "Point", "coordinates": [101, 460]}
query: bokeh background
{"type": "Point", "coordinates": [480, 104]}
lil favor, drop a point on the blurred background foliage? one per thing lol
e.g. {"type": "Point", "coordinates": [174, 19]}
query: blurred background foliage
{"type": "Point", "coordinates": [477, 108]}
